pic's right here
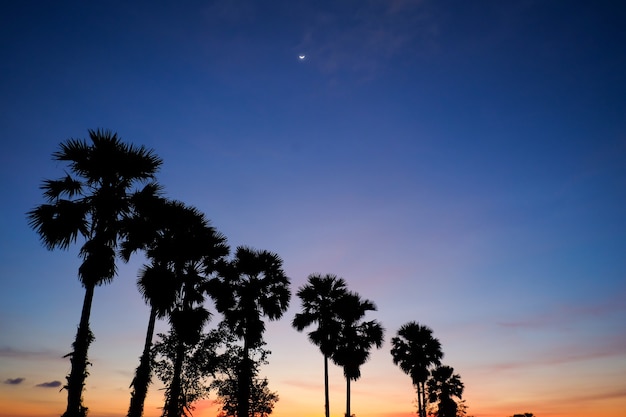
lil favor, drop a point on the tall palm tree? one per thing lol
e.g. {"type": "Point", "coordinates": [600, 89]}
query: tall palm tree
{"type": "Point", "coordinates": [442, 386]}
{"type": "Point", "coordinates": [320, 299]}
{"type": "Point", "coordinates": [355, 338]}
{"type": "Point", "coordinates": [257, 287]}
{"type": "Point", "coordinates": [415, 350]}
{"type": "Point", "coordinates": [158, 286]}
{"type": "Point", "coordinates": [180, 243]}
{"type": "Point", "coordinates": [89, 203]}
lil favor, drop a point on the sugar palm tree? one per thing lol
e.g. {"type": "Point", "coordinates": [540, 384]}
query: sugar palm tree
{"type": "Point", "coordinates": [158, 286]}
{"type": "Point", "coordinates": [442, 386]}
{"type": "Point", "coordinates": [355, 338]}
{"type": "Point", "coordinates": [89, 202]}
{"type": "Point", "coordinates": [415, 350]}
{"type": "Point", "coordinates": [257, 287]}
{"type": "Point", "coordinates": [320, 304]}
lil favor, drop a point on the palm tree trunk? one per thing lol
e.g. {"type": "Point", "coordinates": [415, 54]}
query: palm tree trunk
{"type": "Point", "coordinates": [419, 400]}
{"type": "Point", "coordinates": [78, 360]}
{"type": "Point", "coordinates": [326, 403]}
{"type": "Point", "coordinates": [172, 407]}
{"type": "Point", "coordinates": [423, 399]}
{"type": "Point", "coordinates": [243, 402]}
{"type": "Point", "coordinates": [348, 397]}
{"type": "Point", "coordinates": [143, 373]}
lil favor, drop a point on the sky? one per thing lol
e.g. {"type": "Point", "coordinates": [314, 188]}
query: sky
{"type": "Point", "coordinates": [461, 164]}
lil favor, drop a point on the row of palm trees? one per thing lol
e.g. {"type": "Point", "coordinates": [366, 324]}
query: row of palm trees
{"type": "Point", "coordinates": [111, 201]}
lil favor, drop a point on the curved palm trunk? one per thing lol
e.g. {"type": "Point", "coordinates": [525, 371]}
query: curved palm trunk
{"type": "Point", "coordinates": [143, 373]}
{"type": "Point", "coordinates": [326, 403]}
{"type": "Point", "coordinates": [78, 360]}
{"type": "Point", "coordinates": [172, 408]}
{"type": "Point", "coordinates": [348, 397]}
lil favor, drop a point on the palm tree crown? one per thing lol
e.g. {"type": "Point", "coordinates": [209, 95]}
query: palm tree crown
{"type": "Point", "coordinates": [415, 350]}
{"type": "Point", "coordinates": [442, 386]}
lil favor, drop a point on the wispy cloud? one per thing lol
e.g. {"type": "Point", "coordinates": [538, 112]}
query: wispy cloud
{"type": "Point", "coordinates": [51, 384]}
{"type": "Point", "coordinates": [11, 353]}
{"type": "Point", "coordinates": [14, 381]}
{"type": "Point", "coordinates": [366, 36]}
{"type": "Point", "coordinates": [616, 346]}
{"type": "Point", "coordinates": [566, 314]}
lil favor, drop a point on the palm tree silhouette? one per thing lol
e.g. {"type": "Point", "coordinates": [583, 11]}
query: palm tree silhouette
{"type": "Point", "coordinates": [442, 385]}
{"type": "Point", "coordinates": [256, 286]}
{"type": "Point", "coordinates": [320, 299]}
{"type": "Point", "coordinates": [415, 350]}
{"type": "Point", "coordinates": [355, 338]}
{"type": "Point", "coordinates": [176, 239]}
{"type": "Point", "coordinates": [90, 204]}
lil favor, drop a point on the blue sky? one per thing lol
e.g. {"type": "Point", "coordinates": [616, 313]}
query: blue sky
{"type": "Point", "coordinates": [459, 163]}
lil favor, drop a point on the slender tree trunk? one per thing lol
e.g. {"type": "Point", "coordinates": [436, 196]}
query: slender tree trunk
{"type": "Point", "coordinates": [326, 403]}
{"type": "Point", "coordinates": [423, 393]}
{"type": "Point", "coordinates": [173, 406]}
{"type": "Point", "coordinates": [78, 360]}
{"type": "Point", "coordinates": [143, 373]}
{"type": "Point", "coordinates": [348, 397]}
{"type": "Point", "coordinates": [419, 400]}
{"type": "Point", "coordinates": [243, 402]}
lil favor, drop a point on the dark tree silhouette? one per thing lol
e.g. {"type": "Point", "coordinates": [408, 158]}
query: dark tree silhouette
{"type": "Point", "coordinates": [442, 386]}
{"type": "Point", "coordinates": [415, 350]}
{"type": "Point", "coordinates": [199, 363]}
{"type": "Point", "coordinates": [178, 240]}
{"type": "Point", "coordinates": [90, 203]}
{"type": "Point", "coordinates": [257, 287]}
{"type": "Point", "coordinates": [262, 399]}
{"type": "Point", "coordinates": [320, 299]}
{"type": "Point", "coordinates": [355, 338]}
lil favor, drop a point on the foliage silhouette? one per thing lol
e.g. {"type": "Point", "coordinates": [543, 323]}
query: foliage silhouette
{"type": "Point", "coordinates": [320, 299]}
{"type": "Point", "coordinates": [442, 386]}
{"type": "Point", "coordinates": [90, 203]}
{"type": "Point", "coordinates": [251, 286]}
{"type": "Point", "coordinates": [415, 350]}
{"type": "Point", "coordinates": [200, 362]}
{"type": "Point", "coordinates": [355, 338]}
{"type": "Point", "coordinates": [261, 400]}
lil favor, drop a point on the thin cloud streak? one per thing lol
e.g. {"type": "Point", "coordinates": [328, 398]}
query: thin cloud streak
{"type": "Point", "coordinates": [11, 353]}
{"type": "Point", "coordinates": [51, 384]}
{"type": "Point", "coordinates": [14, 381]}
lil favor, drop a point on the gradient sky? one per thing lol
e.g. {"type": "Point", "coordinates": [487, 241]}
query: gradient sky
{"type": "Point", "coordinates": [461, 164]}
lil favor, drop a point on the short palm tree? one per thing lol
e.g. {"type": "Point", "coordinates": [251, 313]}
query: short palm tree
{"type": "Point", "coordinates": [415, 350]}
{"type": "Point", "coordinates": [253, 285]}
{"type": "Point", "coordinates": [355, 338]}
{"type": "Point", "coordinates": [90, 202]}
{"type": "Point", "coordinates": [442, 386]}
{"type": "Point", "coordinates": [320, 304]}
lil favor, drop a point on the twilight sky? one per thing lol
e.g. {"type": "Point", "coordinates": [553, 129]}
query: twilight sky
{"type": "Point", "coordinates": [461, 164]}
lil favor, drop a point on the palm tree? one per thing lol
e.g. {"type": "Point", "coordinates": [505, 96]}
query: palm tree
{"type": "Point", "coordinates": [415, 350]}
{"type": "Point", "coordinates": [256, 286]}
{"type": "Point", "coordinates": [158, 286]}
{"type": "Point", "coordinates": [355, 338]}
{"type": "Point", "coordinates": [180, 243]}
{"type": "Point", "coordinates": [320, 303]}
{"type": "Point", "coordinates": [442, 385]}
{"type": "Point", "coordinates": [90, 204]}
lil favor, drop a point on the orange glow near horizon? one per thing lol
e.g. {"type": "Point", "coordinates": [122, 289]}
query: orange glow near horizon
{"type": "Point", "coordinates": [52, 404]}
